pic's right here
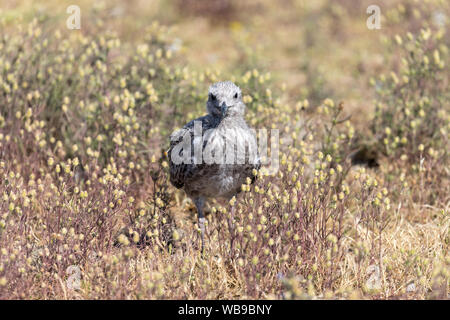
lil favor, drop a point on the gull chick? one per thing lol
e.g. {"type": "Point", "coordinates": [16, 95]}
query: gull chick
{"type": "Point", "coordinates": [212, 156]}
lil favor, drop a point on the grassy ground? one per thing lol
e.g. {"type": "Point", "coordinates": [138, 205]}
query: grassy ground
{"type": "Point", "coordinates": [358, 209]}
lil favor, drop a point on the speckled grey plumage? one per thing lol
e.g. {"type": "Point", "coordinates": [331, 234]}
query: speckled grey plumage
{"type": "Point", "coordinates": [223, 123]}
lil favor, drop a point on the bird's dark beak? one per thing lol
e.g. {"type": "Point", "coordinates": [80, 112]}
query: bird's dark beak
{"type": "Point", "coordinates": [224, 109]}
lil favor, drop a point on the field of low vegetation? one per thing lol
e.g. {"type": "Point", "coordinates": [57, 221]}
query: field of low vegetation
{"type": "Point", "coordinates": [359, 208]}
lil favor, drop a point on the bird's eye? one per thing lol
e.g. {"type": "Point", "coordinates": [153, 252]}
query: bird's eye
{"type": "Point", "coordinates": [236, 95]}
{"type": "Point", "coordinates": [213, 97]}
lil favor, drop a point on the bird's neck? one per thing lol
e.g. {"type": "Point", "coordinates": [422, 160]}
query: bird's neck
{"type": "Point", "coordinates": [218, 121]}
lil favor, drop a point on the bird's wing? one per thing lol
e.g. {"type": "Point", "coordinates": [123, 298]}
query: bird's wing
{"type": "Point", "coordinates": [176, 169]}
{"type": "Point", "coordinates": [181, 161]}
{"type": "Point", "coordinates": [252, 163]}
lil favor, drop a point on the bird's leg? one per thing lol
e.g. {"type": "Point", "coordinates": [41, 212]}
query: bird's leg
{"type": "Point", "coordinates": [199, 203]}
{"type": "Point", "coordinates": [231, 228]}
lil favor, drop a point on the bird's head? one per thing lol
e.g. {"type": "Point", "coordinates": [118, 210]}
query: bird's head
{"type": "Point", "coordinates": [225, 99]}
